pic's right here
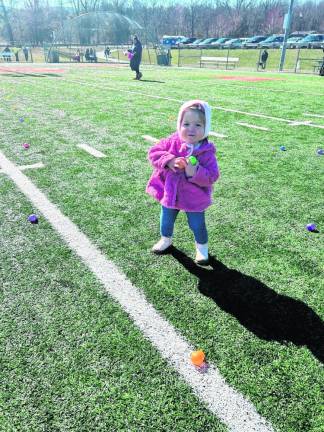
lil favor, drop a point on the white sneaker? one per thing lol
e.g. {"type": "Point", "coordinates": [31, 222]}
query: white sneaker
{"type": "Point", "coordinates": [162, 245]}
{"type": "Point", "coordinates": [202, 254]}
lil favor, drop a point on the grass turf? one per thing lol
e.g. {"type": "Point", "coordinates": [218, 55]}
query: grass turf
{"type": "Point", "coordinates": [71, 358]}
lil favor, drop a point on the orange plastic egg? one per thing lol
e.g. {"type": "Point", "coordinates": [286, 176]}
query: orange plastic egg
{"type": "Point", "coordinates": [197, 357]}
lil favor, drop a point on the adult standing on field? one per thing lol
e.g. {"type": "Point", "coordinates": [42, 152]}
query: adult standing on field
{"type": "Point", "coordinates": [264, 58]}
{"type": "Point", "coordinates": [136, 59]}
{"type": "Point", "coordinates": [25, 51]}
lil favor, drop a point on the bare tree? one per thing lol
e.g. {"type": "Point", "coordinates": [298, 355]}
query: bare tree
{"type": "Point", "coordinates": [5, 17]}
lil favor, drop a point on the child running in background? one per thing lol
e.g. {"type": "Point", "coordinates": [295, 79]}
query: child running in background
{"type": "Point", "coordinates": [185, 168]}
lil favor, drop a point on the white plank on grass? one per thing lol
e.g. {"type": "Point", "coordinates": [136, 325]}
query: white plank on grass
{"type": "Point", "coordinates": [150, 139]}
{"type": "Point", "coordinates": [91, 151]}
{"type": "Point", "coordinates": [225, 402]}
{"type": "Point", "coordinates": [253, 126]}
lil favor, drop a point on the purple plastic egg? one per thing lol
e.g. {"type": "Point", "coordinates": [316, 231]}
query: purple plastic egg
{"type": "Point", "coordinates": [26, 145]}
{"type": "Point", "coordinates": [320, 152]}
{"type": "Point", "coordinates": [311, 227]}
{"type": "Point", "coordinates": [33, 219]}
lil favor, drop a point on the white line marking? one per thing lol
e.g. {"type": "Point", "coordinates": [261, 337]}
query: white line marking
{"type": "Point", "coordinates": [313, 115]}
{"type": "Point", "coordinates": [91, 150]}
{"type": "Point", "coordinates": [32, 166]}
{"type": "Point", "coordinates": [216, 134]}
{"type": "Point", "coordinates": [252, 126]}
{"type": "Point", "coordinates": [300, 123]}
{"type": "Point", "coordinates": [229, 405]}
{"type": "Point", "coordinates": [35, 165]}
{"type": "Point", "coordinates": [150, 139]}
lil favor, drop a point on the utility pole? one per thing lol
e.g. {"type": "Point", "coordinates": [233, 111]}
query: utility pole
{"type": "Point", "coordinates": [287, 22]}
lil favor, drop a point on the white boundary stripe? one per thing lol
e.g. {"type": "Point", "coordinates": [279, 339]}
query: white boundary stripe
{"type": "Point", "coordinates": [301, 123]}
{"type": "Point", "coordinates": [313, 115]}
{"type": "Point", "coordinates": [35, 165]}
{"type": "Point", "coordinates": [150, 139]}
{"type": "Point", "coordinates": [229, 405]}
{"type": "Point", "coordinates": [32, 166]}
{"type": "Point", "coordinates": [218, 135]}
{"type": "Point", "coordinates": [91, 150]}
{"type": "Point", "coordinates": [252, 126]}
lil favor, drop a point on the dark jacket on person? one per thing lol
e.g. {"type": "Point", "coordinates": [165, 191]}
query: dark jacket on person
{"type": "Point", "coordinates": [137, 55]}
{"type": "Point", "coordinates": [264, 56]}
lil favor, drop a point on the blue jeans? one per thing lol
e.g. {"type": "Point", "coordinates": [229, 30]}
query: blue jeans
{"type": "Point", "coordinates": [196, 222]}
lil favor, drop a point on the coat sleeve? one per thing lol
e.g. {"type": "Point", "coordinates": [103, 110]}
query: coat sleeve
{"type": "Point", "coordinates": [207, 172]}
{"type": "Point", "coordinates": [159, 156]}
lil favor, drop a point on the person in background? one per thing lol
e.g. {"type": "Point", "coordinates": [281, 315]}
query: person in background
{"type": "Point", "coordinates": [7, 54]}
{"type": "Point", "coordinates": [16, 50]}
{"type": "Point", "coordinates": [25, 51]}
{"type": "Point", "coordinates": [264, 58]}
{"type": "Point", "coordinates": [107, 52]}
{"type": "Point", "coordinates": [136, 59]}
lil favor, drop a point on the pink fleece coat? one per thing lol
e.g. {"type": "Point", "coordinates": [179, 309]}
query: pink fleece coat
{"type": "Point", "coordinates": [174, 189]}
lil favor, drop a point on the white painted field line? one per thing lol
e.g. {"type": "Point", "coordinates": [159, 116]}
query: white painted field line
{"type": "Point", "coordinates": [91, 151]}
{"type": "Point", "coordinates": [218, 135]}
{"type": "Point", "coordinates": [301, 123]}
{"type": "Point", "coordinates": [150, 139]}
{"type": "Point", "coordinates": [32, 166]}
{"type": "Point", "coordinates": [313, 115]}
{"type": "Point", "coordinates": [229, 405]}
{"type": "Point", "coordinates": [252, 126]}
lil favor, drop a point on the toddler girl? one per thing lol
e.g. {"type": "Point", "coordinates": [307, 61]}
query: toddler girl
{"type": "Point", "coordinates": [185, 169]}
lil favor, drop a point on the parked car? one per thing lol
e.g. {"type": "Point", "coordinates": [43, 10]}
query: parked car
{"type": "Point", "coordinates": [196, 42]}
{"type": "Point", "coordinates": [253, 41]}
{"type": "Point", "coordinates": [207, 43]}
{"type": "Point", "coordinates": [186, 41]}
{"type": "Point", "coordinates": [170, 41]}
{"type": "Point", "coordinates": [311, 41]}
{"type": "Point", "coordinates": [233, 43]}
{"type": "Point", "coordinates": [291, 42]}
{"type": "Point", "coordinates": [217, 43]}
{"type": "Point", "coordinates": [274, 41]}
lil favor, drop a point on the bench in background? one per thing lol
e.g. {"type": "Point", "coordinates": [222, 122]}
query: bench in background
{"type": "Point", "coordinates": [228, 62]}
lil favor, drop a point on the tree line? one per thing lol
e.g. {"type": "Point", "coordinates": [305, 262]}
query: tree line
{"type": "Point", "coordinates": [36, 21]}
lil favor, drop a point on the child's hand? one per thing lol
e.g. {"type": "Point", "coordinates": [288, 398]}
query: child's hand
{"type": "Point", "coordinates": [191, 169]}
{"type": "Point", "coordinates": [180, 163]}
{"type": "Point", "coordinates": [177, 163]}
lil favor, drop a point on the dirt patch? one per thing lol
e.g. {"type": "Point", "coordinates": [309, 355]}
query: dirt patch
{"type": "Point", "coordinates": [248, 79]}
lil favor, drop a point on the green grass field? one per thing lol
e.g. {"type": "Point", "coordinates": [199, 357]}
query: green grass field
{"type": "Point", "coordinates": [71, 359]}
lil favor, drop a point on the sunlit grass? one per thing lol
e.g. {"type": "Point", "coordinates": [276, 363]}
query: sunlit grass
{"type": "Point", "coordinates": [70, 357]}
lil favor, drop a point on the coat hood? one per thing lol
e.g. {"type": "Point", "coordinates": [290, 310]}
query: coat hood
{"type": "Point", "coordinates": [205, 108]}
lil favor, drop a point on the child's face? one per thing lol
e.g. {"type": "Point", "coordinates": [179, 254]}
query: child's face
{"type": "Point", "coordinates": [192, 127]}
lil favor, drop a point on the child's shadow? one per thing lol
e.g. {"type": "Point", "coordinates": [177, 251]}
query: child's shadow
{"type": "Point", "coordinates": [269, 315]}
